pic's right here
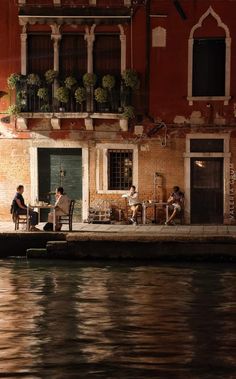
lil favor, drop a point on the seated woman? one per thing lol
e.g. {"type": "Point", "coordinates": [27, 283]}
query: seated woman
{"type": "Point", "coordinates": [176, 201]}
{"type": "Point", "coordinates": [134, 203]}
{"type": "Point", "coordinates": [62, 207]}
{"type": "Point", "coordinates": [18, 207]}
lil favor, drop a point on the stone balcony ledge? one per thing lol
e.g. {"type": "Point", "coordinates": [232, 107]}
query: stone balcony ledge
{"type": "Point", "coordinates": [56, 118]}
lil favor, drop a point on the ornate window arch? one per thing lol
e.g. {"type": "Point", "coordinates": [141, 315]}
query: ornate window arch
{"type": "Point", "coordinates": [220, 24]}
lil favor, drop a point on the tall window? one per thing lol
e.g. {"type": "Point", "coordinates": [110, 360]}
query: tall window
{"type": "Point", "coordinates": [209, 67]}
{"type": "Point", "coordinates": [106, 54]}
{"type": "Point", "coordinates": [120, 169]}
{"type": "Point", "coordinates": [40, 53]}
{"type": "Point", "coordinates": [73, 55]}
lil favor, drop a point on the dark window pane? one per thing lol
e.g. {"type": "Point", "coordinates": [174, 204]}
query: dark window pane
{"type": "Point", "coordinates": [206, 145]}
{"type": "Point", "coordinates": [73, 55]}
{"type": "Point", "coordinates": [120, 169]}
{"type": "Point", "coordinates": [209, 67]}
{"type": "Point", "coordinates": [40, 53]}
{"type": "Point", "coordinates": [106, 54]}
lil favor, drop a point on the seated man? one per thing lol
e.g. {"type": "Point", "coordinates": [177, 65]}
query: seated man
{"type": "Point", "coordinates": [62, 207]}
{"type": "Point", "coordinates": [175, 201]}
{"type": "Point", "coordinates": [134, 203]}
{"type": "Point", "coordinates": [18, 207]}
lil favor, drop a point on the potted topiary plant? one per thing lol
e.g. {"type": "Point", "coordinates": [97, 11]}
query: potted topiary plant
{"type": "Point", "coordinates": [70, 82]}
{"type": "Point", "coordinates": [43, 96]}
{"type": "Point", "coordinates": [130, 78]}
{"type": "Point", "coordinates": [62, 95]}
{"type": "Point", "coordinates": [80, 96]}
{"type": "Point", "coordinates": [43, 93]}
{"type": "Point", "coordinates": [108, 82]}
{"type": "Point", "coordinates": [33, 80]}
{"type": "Point", "coordinates": [89, 79]}
{"type": "Point", "coordinates": [100, 95]}
{"type": "Point", "coordinates": [129, 83]}
{"type": "Point", "coordinates": [50, 76]}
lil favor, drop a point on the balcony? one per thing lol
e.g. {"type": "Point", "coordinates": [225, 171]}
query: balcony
{"type": "Point", "coordinates": [54, 98]}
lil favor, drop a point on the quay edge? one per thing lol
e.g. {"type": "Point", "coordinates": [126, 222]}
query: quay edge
{"type": "Point", "coordinates": [112, 246]}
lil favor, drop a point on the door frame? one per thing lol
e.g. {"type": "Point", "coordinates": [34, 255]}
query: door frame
{"type": "Point", "coordinates": [226, 171]}
{"type": "Point", "coordinates": [85, 170]}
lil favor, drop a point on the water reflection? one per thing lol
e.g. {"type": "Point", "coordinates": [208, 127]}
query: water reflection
{"type": "Point", "coordinates": [76, 321]}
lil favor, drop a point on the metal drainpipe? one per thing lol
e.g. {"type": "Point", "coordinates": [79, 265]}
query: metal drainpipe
{"type": "Point", "coordinates": [147, 68]}
{"type": "Point", "coordinates": [131, 39]}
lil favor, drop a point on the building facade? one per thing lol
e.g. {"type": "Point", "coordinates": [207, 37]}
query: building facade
{"type": "Point", "coordinates": [96, 95]}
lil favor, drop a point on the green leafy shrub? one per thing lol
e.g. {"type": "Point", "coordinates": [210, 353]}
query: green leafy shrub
{"type": "Point", "coordinates": [43, 93]}
{"type": "Point", "coordinates": [13, 110]}
{"type": "Point", "coordinates": [13, 80]}
{"type": "Point", "coordinates": [62, 94]}
{"type": "Point", "coordinates": [128, 112]}
{"type": "Point", "coordinates": [108, 81]}
{"type": "Point", "coordinates": [89, 79]}
{"type": "Point", "coordinates": [70, 82]}
{"type": "Point", "coordinates": [130, 78]}
{"type": "Point", "coordinates": [50, 76]}
{"type": "Point", "coordinates": [100, 95]}
{"type": "Point", "coordinates": [33, 80]}
{"type": "Point", "coordinates": [80, 95]}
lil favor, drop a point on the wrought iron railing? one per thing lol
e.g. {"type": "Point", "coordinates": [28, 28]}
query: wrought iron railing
{"type": "Point", "coordinates": [29, 101]}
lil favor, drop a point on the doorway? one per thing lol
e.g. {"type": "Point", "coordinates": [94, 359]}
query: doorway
{"type": "Point", "coordinates": [60, 167]}
{"type": "Point", "coordinates": [207, 190]}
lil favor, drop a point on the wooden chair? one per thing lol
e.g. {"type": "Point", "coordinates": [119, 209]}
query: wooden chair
{"type": "Point", "coordinates": [67, 219]}
{"type": "Point", "coordinates": [179, 215]}
{"type": "Point", "coordinates": [19, 220]}
{"type": "Point", "coordinates": [128, 212]}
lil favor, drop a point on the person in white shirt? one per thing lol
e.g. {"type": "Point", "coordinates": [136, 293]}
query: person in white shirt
{"type": "Point", "coordinates": [134, 203]}
{"type": "Point", "coordinates": [62, 206]}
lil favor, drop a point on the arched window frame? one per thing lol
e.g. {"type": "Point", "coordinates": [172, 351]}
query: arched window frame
{"type": "Point", "coordinates": [220, 24]}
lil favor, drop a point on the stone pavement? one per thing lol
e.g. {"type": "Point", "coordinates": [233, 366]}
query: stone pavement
{"type": "Point", "coordinates": [148, 229]}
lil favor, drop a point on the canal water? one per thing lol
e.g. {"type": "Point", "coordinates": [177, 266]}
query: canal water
{"type": "Point", "coordinates": [63, 320]}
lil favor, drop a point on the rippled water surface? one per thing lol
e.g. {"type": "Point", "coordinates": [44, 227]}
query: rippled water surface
{"type": "Point", "coordinates": [68, 320]}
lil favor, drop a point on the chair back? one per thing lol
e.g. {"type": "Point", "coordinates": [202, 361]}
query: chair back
{"type": "Point", "coordinates": [67, 219]}
{"type": "Point", "coordinates": [71, 209]}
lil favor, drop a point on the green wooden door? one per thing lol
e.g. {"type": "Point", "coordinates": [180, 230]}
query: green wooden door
{"type": "Point", "coordinates": [60, 167]}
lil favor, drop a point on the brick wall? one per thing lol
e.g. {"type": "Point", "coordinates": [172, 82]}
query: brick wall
{"type": "Point", "coordinates": [14, 170]}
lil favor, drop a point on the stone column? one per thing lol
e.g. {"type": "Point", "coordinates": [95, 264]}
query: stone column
{"type": "Point", "coordinates": [56, 38]}
{"type": "Point", "coordinates": [90, 41]}
{"type": "Point", "coordinates": [23, 38]}
{"type": "Point", "coordinates": [123, 53]}
{"type": "Point", "coordinates": [122, 49]}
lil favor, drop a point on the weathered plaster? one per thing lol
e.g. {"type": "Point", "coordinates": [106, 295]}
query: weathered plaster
{"type": "Point", "coordinates": [195, 119]}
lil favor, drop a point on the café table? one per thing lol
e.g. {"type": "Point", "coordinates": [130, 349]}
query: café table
{"type": "Point", "coordinates": [156, 205]}
{"type": "Point", "coordinates": [39, 206]}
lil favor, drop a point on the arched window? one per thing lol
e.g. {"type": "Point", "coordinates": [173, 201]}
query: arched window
{"type": "Point", "coordinates": [209, 60]}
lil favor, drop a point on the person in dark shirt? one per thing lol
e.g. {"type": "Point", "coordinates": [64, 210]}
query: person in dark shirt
{"type": "Point", "coordinates": [175, 202]}
{"type": "Point", "coordinates": [18, 207]}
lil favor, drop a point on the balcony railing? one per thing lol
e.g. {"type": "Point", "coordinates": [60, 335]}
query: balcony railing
{"type": "Point", "coordinates": [29, 101]}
